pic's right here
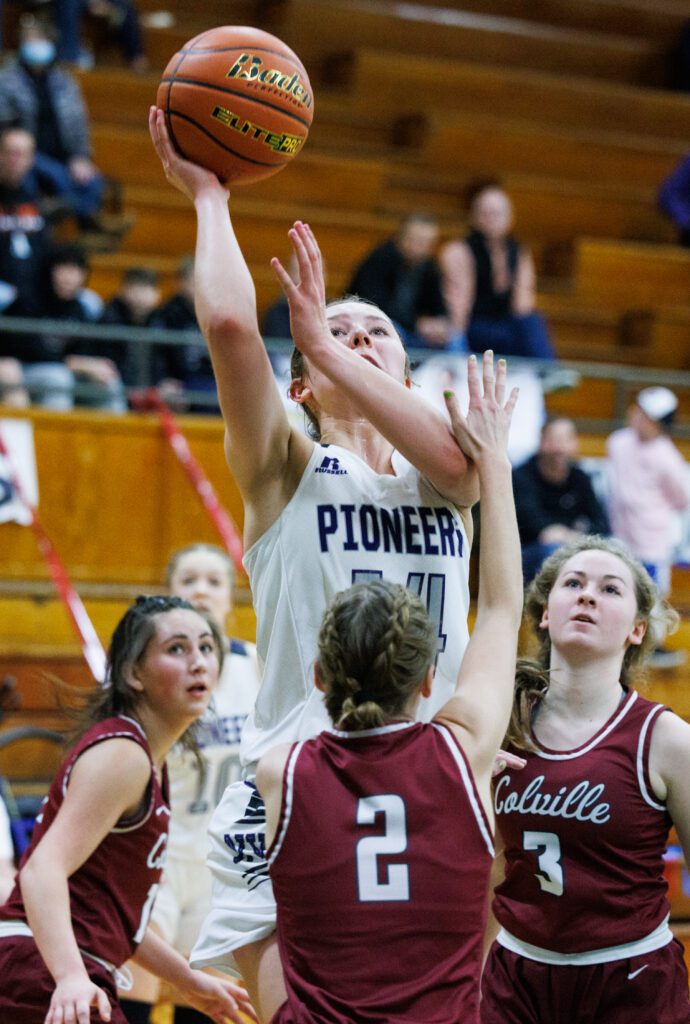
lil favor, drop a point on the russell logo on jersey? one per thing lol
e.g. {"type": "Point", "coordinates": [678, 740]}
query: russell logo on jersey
{"type": "Point", "coordinates": [331, 466]}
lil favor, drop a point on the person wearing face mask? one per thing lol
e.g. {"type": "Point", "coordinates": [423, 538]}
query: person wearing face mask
{"type": "Point", "coordinates": [45, 99]}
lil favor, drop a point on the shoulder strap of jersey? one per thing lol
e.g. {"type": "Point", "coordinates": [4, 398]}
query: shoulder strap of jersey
{"type": "Point", "coordinates": [286, 802]}
{"type": "Point", "coordinates": [644, 744]}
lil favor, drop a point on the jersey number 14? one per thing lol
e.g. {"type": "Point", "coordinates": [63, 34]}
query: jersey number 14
{"type": "Point", "coordinates": [434, 597]}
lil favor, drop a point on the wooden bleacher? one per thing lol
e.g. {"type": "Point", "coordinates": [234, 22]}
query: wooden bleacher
{"type": "Point", "coordinates": [108, 467]}
{"type": "Point", "coordinates": [627, 273]}
{"type": "Point", "coordinates": [660, 21]}
{"type": "Point", "coordinates": [558, 141]}
{"type": "Point", "coordinates": [433, 83]}
{"type": "Point", "coordinates": [519, 146]}
{"type": "Point", "coordinates": [458, 33]}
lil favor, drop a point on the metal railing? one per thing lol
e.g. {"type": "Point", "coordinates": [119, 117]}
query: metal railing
{"type": "Point", "coordinates": [140, 342]}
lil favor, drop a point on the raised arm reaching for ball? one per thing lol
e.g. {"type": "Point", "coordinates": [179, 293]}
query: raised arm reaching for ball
{"type": "Point", "coordinates": [379, 491]}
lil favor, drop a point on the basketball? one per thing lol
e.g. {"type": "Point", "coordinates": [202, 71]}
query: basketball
{"type": "Point", "coordinates": [237, 101]}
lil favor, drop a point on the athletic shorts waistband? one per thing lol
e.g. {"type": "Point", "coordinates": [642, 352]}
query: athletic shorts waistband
{"type": "Point", "coordinates": [122, 975]}
{"type": "Point", "coordinates": [661, 936]}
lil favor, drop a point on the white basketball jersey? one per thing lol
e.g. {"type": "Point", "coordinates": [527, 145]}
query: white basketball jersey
{"type": "Point", "coordinates": [347, 524]}
{"type": "Point", "coordinates": [194, 794]}
{"type": "Point", "coordinates": [6, 844]}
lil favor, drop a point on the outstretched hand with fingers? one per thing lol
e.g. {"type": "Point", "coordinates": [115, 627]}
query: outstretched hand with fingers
{"type": "Point", "coordinates": [219, 998]}
{"type": "Point", "coordinates": [483, 432]}
{"type": "Point", "coordinates": [190, 178]}
{"type": "Point", "coordinates": [306, 296]}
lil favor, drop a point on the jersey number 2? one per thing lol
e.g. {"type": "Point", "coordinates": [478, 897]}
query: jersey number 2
{"type": "Point", "coordinates": [376, 883]}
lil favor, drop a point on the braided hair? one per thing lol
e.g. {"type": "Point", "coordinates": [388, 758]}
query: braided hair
{"type": "Point", "coordinates": [376, 645]}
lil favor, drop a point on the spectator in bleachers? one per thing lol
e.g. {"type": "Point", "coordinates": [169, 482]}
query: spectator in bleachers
{"type": "Point", "coordinates": [53, 364]}
{"type": "Point", "coordinates": [136, 299]}
{"type": "Point", "coordinates": [122, 21]}
{"type": "Point", "coordinates": [674, 199]}
{"type": "Point", "coordinates": [180, 367]}
{"type": "Point", "coordinates": [7, 868]}
{"type": "Point", "coordinates": [177, 313]}
{"type": "Point", "coordinates": [132, 306]}
{"type": "Point", "coordinates": [647, 487]}
{"type": "Point", "coordinates": [554, 497]}
{"type": "Point", "coordinates": [66, 296]}
{"type": "Point", "coordinates": [24, 238]}
{"type": "Point", "coordinates": [24, 235]}
{"type": "Point", "coordinates": [46, 100]}
{"type": "Point", "coordinates": [402, 278]}
{"type": "Point", "coordinates": [490, 283]}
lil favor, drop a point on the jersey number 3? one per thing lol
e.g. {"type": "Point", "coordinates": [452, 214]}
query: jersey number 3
{"type": "Point", "coordinates": [378, 882]}
{"type": "Point", "coordinates": [550, 874]}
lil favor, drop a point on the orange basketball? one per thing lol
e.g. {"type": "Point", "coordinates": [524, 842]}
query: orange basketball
{"type": "Point", "coordinates": [237, 101]}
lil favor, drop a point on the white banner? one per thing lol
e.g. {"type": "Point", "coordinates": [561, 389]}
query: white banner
{"type": "Point", "coordinates": [18, 436]}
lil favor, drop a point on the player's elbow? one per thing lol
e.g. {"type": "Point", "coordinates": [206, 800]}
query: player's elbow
{"type": "Point", "coordinates": [221, 327]}
{"type": "Point", "coordinates": [457, 479]}
{"type": "Point", "coordinates": [453, 464]}
{"type": "Point", "coordinates": [30, 872]}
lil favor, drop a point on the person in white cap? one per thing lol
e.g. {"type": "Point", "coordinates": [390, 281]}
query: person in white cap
{"type": "Point", "coordinates": [648, 485]}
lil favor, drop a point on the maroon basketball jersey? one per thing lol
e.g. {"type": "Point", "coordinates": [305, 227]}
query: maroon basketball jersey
{"type": "Point", "coordinates": [112, 893]}
{"type": "Point", "coordinates": [380, 869]}
{"type": "Point", "coordinates": [585, 837]}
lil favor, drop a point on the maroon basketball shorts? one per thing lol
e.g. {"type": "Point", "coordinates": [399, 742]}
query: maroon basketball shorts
{"type": "Point", "coordinates": [26, 985]}
{"type": "Point", "coordinates": [647, 989]}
